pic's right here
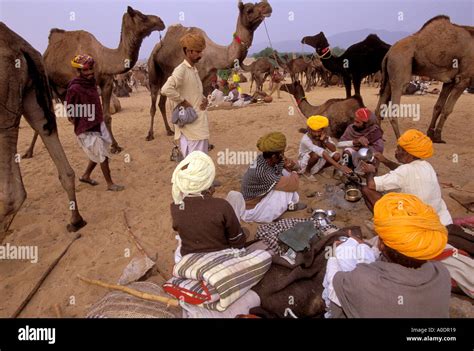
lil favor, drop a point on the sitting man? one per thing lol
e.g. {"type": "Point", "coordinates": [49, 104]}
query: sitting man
{"type": "Point", "coordinates": [268, 188]}
{"type": "Point", "coordinates": [364, 132]}
{"type": "Point", "coordinates": [317, 150]}
{"type": "Point", "coordinates": [402, 282]}
{"type": "Point", "coordinates": [415, 176]}
{"type": "Point", "coordinates": [203, 223]}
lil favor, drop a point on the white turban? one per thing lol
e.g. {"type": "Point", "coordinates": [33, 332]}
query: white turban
{"type": "Point", "coordinates": [193, 179]}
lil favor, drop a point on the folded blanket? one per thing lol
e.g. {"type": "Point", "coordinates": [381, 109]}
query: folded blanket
{"type": "Point", "coordinates": [215, 280]}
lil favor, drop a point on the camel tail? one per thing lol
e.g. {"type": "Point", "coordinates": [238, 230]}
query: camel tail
{"type": "Point", "coordinates": [44, 96]}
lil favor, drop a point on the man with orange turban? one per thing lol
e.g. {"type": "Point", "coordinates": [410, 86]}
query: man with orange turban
{"type": "Point", "coordinates": [317, 149]}
{"type": "Point", "coordinates": [403, 281]}
{"type": "Point", "coordinates": [184, 89]}
{"type": "Point", "coordinates": [415, 176]}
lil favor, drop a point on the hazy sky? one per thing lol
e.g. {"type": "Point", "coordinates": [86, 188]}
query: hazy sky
{"type": "Point", "coordinates": [290, 19]}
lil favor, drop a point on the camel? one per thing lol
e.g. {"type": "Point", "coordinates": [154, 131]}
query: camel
{"type": "Point", "coordinates": [64, 45]}
{"type": "Point", "coordinates": [24, 89]}
{"type": "Point", "coordinates": [259, 70]}
{"type": "Point", "coordinates": [441, 50]}
{"type": "Point", "coordinates": [340, 112]}
{"type": "Point", "coordinates": [358, 61]}
{"type": "Point", "coordinates": [140, 77]}
{"type": "Point", "coordinates": [122, 84]}
{"type": "Point", "coordinates": [168, 54]}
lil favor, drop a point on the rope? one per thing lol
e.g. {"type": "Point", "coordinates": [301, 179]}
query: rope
{"type": "Point", "coordinates": [274, 55]}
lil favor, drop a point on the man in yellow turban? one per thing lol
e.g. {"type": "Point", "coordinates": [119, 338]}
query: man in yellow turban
{"type": "Point", "coordinates": [414, 176]}
{"type": "Point", "coordinates": [204, 223]}
{"type": "Point", "coordinates": [184, 89]}
{"type": "Point", "coordinates": [403, 281]}
{"type": "Point", "coordinates": [317, 149]}
{"type": "Point", "coordinates": [269, 187]}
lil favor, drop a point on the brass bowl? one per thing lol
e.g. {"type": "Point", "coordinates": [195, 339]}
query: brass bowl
{"type": "Point", "coordinates": [353, 194]}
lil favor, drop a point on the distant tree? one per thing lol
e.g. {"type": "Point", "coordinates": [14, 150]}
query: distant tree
{"type": "Point", "coordinates": [264, 53]}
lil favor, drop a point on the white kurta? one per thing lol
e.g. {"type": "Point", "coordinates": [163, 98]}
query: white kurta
{"type": "Point", "coordinates": [96, 145]}
{"type": "Point", "coordinates": [306, 147]}
{"type": "Point", "coordinates": [416, 178]}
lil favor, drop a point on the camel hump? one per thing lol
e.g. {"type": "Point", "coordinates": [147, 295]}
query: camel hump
{"type": "Point", "coordinates": [55, 31]}
{"type": "Point", "coordinates": [436, 18]}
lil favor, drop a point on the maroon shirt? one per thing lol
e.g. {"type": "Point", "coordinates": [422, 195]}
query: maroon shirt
{"type": "Point", "coordinates": [84, 91]}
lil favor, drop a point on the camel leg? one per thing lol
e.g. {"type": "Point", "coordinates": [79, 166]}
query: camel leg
{"type": "Point", "coordinates": [29, 152]}
{"type": "Point", "coordinates": [106, 90]}
{"type": "Point", "coordinates": [443, 96]}
{"type": "Point", "coordinates": [357, 81]}
{"type": "Point", "coordinates": [448, 107]}
{"type": "Point", "coordinates": [162, 106]}
{"type": "Point", "coordinates": [347, 85]}
{"type": "Point", "coordinates": [35, 117]}
{"type": "Point", "coordinates": [154, 96]}
{"type": "Point", "coordinates": [12, 191]}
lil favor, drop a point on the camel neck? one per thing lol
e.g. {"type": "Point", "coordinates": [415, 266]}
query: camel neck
{"type": "Point", "coordinates": [333, 63]}
{"type": "Point", "coordinates": [237, 50]}
{"type": "Point", "coordinates": [305, 107]}
{"type": "Point", "coordinates": [123, 58]}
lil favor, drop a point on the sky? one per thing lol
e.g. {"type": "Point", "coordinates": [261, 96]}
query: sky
{"type": "Point", "coordinates": [291, 20]}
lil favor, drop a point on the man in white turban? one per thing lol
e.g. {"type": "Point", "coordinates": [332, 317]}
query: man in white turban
{"type": "Point", "coordinates": [203, 223]}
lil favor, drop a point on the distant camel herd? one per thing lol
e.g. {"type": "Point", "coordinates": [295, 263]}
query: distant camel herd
{"type": "Point", "coordinates": [440, 50]}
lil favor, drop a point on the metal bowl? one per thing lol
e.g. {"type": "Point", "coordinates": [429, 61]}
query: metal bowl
{"type": "Point", "coordinates": [319, 214]}
{"type": "Point", "coordinates": [331, 214]}
{"type": "Point", "coordinates": [365, 154]}
{"type": "Point", "coordinates": [353, 194]}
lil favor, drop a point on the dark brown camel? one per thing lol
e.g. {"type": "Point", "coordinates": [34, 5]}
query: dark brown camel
{"type": "Point", "coordinates": [340, 112]}
{"type": "Point", "coordinates": [358, 61]}
{"type": "Point", "coordinates": [259, 70]}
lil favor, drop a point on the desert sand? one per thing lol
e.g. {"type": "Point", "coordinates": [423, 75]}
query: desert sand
{"type": "Point", "coordinates": [101, 252]}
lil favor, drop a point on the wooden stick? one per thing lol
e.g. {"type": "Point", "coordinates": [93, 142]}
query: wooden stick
{"type": "Point", "coordinates": [43, 277]}
{"type": "Point", "coordinates": [134, 292]}
{"type": "Point", "coordinates": [134, 238]}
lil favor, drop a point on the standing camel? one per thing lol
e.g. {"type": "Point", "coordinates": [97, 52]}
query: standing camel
{"type": "Point", "coordinates": [24, 89]}
{"type": "Point", "coordinates": [441, 50]}
{"type": "Point", "coordinates": [340, 112]}
{"type": "Point", "coordinates": [259, 70]}
{"type": "Point", "coordinates": [168, 54]}
{"type": "Point", "coordinates": [358, 61]}
{"type": "Point", "coordinates": [64, 45]}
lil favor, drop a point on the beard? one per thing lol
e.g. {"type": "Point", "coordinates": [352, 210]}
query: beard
{"type": "Point", "coordinates": [361, 128]}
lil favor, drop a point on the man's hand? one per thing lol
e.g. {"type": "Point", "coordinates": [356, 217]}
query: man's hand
{"type": "Point", "coordinates": [323, 136]}
{"type": "Point", "coordinates": [345, 169]}
{"type": "Point", "coordinates": [363, 141]}
{"type": "Point", "coordinates": [379, 156]}
{"type": "Point", "coordinates": [367, 168]}
{"type": "Point", "coordinates": [289, 164]}
{"type": "Point", "coordinates": [186, 104]}
{"type": "Point", "coordinates": [203, 105]}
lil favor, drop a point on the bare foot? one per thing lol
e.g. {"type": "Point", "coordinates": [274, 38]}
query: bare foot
{"type": "Point", "coordinates": [115, 187]}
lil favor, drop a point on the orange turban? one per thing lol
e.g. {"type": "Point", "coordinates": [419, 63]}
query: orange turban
{"type": "Point", "coordinates": [409, 226]}
{"type": "Point", "coordinates": [317, 122]}
{"type": "Point", "coordinates": [416, 143]}
{"type": "Point", "coordinates": [193, 41]}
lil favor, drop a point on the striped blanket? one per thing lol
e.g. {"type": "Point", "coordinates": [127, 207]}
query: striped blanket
{"type": "Point", "coordinates": [215, 280]}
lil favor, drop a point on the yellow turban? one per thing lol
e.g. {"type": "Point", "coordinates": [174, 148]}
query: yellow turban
{"type": "Point", "coordinates": [416, 143]}
{"type": "Point", "coordinates": [317, 122]}
{"type": "Point", "coordinates": [272, 142]}
{"type": "Point", "coordinates": [193, 41]}
{"type": "Point", "coordinates": [193, 179]}
{"type": "Point", "coordinates": [407, 225]}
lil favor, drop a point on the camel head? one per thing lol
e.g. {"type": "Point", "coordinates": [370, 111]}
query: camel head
{"type": "Point", "coordinates": [139, 24]}
{"type": "Point", "coordinates": [295, 89]}
{"type": "Point", "coordinates": [251, 15]}
{"type": "Point", "coordinates": [318, 41]}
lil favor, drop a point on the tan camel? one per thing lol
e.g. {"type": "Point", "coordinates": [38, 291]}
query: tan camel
{"type": "Point", "coordinates": [168, 54]}
{"type": "Point", "coordinates": [64, 45]}
{"type": "Point", "coordinates": [340, 112]}
{"type": "Point", "coordinates": [259, 70]}
{"type": "Point", "coordinates": [440, 50]}
{"type": "Point", "coordinates": [140, 77]}
{"type": "Point", "coordinates": [24, 89]}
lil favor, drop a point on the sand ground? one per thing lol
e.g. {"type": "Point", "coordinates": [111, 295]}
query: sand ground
{"type": "Point", "coordinates": [101, 253]}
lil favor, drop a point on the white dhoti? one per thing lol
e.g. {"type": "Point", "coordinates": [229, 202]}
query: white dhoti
{"type": "Point", "coordinates": [96, 145]}
{"type": "Point", "coordinates": [187, 146]}
{"type": "Point", "coordinates": [272, 206]}
{"type": "Point", "coordinates": [304, 159]}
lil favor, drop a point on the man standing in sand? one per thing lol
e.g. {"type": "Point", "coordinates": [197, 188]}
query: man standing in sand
{"type": "Point", "coordinates": [184, 89]}
{"type": "Point", "coordinates": [90, 129]}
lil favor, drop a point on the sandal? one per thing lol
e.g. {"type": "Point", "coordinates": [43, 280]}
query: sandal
{"type": "Point", "coordinates": [115, 187]}
{"type": "Point", "coordinates": [89, 181]}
